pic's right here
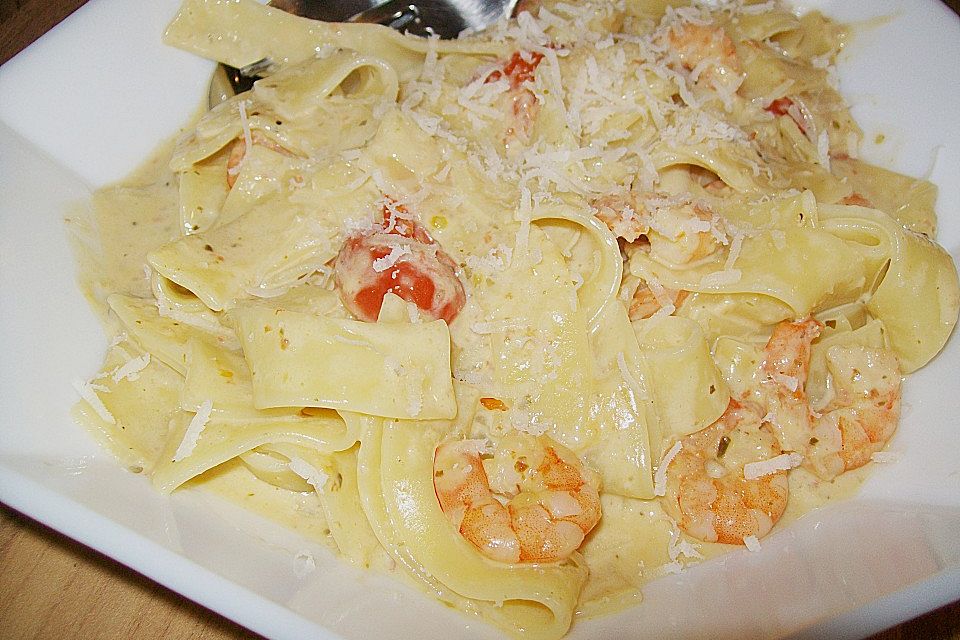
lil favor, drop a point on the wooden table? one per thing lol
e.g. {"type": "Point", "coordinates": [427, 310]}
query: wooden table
{"type": "Point", "coordinates": [53, 587]}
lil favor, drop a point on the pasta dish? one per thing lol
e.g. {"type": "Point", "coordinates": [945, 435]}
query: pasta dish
{"type": "Point", "coordinates": [528, 318]}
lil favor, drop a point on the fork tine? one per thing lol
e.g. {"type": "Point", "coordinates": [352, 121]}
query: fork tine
{"type": "Point", "coordinates": [444, 18]}
{"type": "Point", "coordinates": [387, 13]}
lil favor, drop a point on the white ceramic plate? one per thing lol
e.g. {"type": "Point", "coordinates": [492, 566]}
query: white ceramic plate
{"type": "Point", "coordinates": [81, 106]}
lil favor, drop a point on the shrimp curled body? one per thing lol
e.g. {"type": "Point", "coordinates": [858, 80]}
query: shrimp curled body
{"type": "Point", "coordinates": [708, 52]}
{"type": "Point", "coordinates": [554, 503]}
{"type": "Point", "coordinates": [786, 366]}
{"type": "Point", "coordinates": [675, 233]}
{"type": "Point", "coordinates": [864, 412]}
{"type": "Point", "coordinates": [859, 419]}
{"type": "Point", "coordinates": [707, 492]}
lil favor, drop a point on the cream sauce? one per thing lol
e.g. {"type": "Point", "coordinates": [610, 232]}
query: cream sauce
{"type": "Point", "coordinates": [128, 220]}
{"type": "Point", "coordinates": [114, 232]}
{"type": "Point", "coordinates": [112, 235]}
{"type": "Point", "coordinates": [620, 568]}
{"type": "Point", "coordinates": [301, 512]}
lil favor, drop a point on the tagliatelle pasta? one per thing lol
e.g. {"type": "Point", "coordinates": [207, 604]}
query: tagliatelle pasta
{"type": "Point", "coordinates": [533, 316]}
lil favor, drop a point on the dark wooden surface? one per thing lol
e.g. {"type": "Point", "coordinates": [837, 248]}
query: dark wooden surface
{"type": "Point", "coordinates": [53, 587]}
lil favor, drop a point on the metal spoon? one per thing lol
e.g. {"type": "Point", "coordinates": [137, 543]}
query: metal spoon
{"type": "Point", "coordinates": [444, 18]}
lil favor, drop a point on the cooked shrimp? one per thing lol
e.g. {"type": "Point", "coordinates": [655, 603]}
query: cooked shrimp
{"type": "Point", "coordinates": [398, 256]}
{"type": "Point", "coordinates": [706, 51]}
{"type": "Point", "coordinates": [518, 70]}
{"type": "Point", "coordinates": [707, 492]}
{"type": "Point", "coordinates": [859, 419]}
{"type": "Point", "coordinates": [786, 107]}
{"type": "Point", "coordinates": [238, 152]}
{"type": "Point", "coordinates": [645, 303]}
{"type": "Point", "coordinates": [553, 501]}
{"type": "Point", "coordinates": [864, 411]}
{"type": "Point", "coordinates": [623, 215]}
{"type": "Point", "coordinates": [785, 367]}
{"type": "Point", "coordinates": [526, 108]}
{"type": "Point", "coordinates": [678, 231]}
{"type": "Point", "coordinates": [787, 353]}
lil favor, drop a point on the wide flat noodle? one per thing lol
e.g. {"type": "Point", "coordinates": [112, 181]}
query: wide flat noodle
{"type": "Point", "coordinates": [138, 395]}
{"type": "Point", "coordinates": [166, 337]}
{"type": "Point", "coordinates": [918, 269]}
{"type": "Point", "coordinates": [910, 201]}
{"type": "Point", "coordinates": [688, 389]}
{"type": "Point", "coordinates": [541, 365]}
{"type": "Point", "coordinates": [392, 370]}
{"type": "Point", "coordinates": [624, 410]}
{"type": "Point", "coordinates": [218, 442]}
{"type": "Point", "coordinates": [341, 502]}
{"type": "Point", "coordinates": [600, 287]}
{"type": "Point", "coordinates": [396, 467]}
{"type": "Point", "coordinates": [805, 268]}
{"type": "Point", "coordinates": [704, 145]}
{"type": "Point", "coordinates": [221, 265]}
{"type": "Point", "coordinates": [240, 33]}
{"type": "Point", "coordinates": [315, 108]}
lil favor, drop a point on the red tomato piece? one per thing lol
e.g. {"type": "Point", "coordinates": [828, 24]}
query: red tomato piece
{"type": "Point", "coordinates": [518, 69]}
{"type": "Point", "coordinates": [397, 256]}
{"type": "Point", "coordinates": [781, 107]}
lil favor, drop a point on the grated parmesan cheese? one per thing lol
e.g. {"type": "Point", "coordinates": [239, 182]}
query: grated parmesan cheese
{"type": "Point", "coordinates": [192, 435]}
{"type": "Point", "coordinates": [387, 261]}
{"type": "Point", "coordinates": [313, 476]}
{"type": "Point", "coordinates": [728, 275]}
{"type": "Point", "coordinates": [494, 261]}
{"type": "Point", "coordinates": [823, 150]}
{"type": "Point", "coordinates": [204, 320]}
{"type": "Point", "coordinates": [131, 369]}
{"type": "Point", "coordinates": [660, 476]}
{"type": "Point", "coordinates": [662, 296]}
{"type": "Point", "coordinates": [88, 393]}
{"type": "Point", "coordinates": [680, 546]}
{"type": "Point", "coordinates": [783, 462]}
{"type": "Point", "coordinates": [353, 226]}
